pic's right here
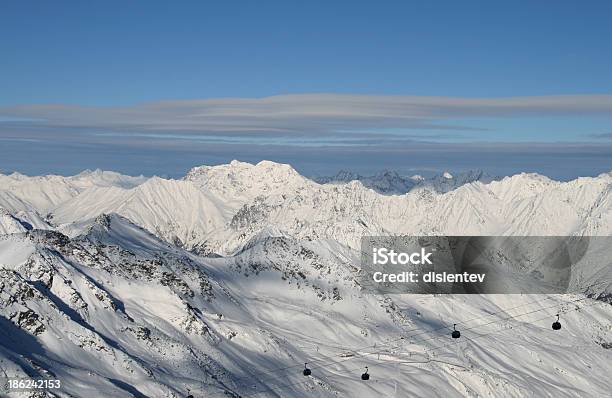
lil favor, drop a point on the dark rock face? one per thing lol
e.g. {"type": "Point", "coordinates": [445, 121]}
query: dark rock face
{"type": "Point", "coordinates": [28, 320]}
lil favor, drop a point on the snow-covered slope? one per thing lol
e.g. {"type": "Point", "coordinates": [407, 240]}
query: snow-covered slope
{"type": "Point", "coordinates": [103, 178]}
{"type": "Point", "coordinates": [225, 282]}
{"type": "Point", "coordinates": [177, 211]}
{"type": "Point", "coordinates": [18, 191]}
{"type": "Point", "coordinates": [117, 312]}
{"type": "Point", "coordinates": [10, 224]}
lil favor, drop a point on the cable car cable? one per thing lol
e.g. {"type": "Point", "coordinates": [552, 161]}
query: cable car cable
{"type": "Point", "coordinates": [435, 349]}
{"type": "Point", "coordinates": [434, 337]}
{"type": "Point", "coordinates": [388, 342]}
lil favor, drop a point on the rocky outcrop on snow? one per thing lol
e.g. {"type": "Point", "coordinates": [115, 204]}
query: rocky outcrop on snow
{"type": "Point", "coordinates": [10, 224]}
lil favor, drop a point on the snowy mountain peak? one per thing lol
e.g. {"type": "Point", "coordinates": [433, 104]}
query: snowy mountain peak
{"type": "Point", "coordinates": [447, 175]}
{"type": "Point", "coordinates": [116, 230]}
{"type": "Point", "coordinates": [243, 181]}
{"type": "Point", "coordinates": [237, 167]}
{"type": "Point", "coordinates": [270, 165]}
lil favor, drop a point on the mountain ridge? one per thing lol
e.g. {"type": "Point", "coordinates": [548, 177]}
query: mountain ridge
{"type": "Point", "coordinates": [216, 208]}
{"type": "Point", "coordinates": [225, 282]}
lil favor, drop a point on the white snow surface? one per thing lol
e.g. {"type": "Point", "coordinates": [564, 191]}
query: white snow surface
{"type": "Point", "coordinates": [225, 282]}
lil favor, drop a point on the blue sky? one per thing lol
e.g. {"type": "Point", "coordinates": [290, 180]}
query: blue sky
{"type": "Point", "coordinates": [102, 61]}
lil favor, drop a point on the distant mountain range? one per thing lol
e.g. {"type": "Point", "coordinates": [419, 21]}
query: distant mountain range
{"type": "Point", "coordinates": [218, 208]}
{"type": "Point", "coordinates": [392, 183]}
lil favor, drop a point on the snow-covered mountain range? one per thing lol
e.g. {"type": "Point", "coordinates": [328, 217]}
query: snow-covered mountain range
{"type": "Point", "coordinates": [224, 282]}
{"type": "Point", "coordinates": [391, 182]}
